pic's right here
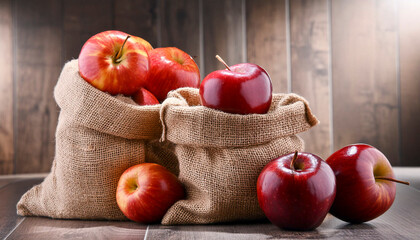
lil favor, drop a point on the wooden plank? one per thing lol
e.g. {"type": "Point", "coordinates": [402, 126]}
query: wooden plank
{"type": "Point", "coordinates": [81, 20]}
{"type": "Point", "coordinates": [5, 181]}
{"type": "Point", "coordinates": [364, 55]}
{"type": "Point", "coordinates": [180, 26]}
{"type": "Point", "coordinates": [409, 174]}
{"type": "Point", "coordinates": [6, 88]}
{"type": "Point", "coordinates": [310, 51]}
{"type": "Point", "coordinates": [399, 222]}
{"type": "Point", "coordinates": [410, 80]}
{"type": "Point", "coordinates": [266, 39]}
{"type": "Point", "coordinates": [139, 18]}
{"type": "Point", "coordinates": [38, 64]}
{"type": "Point", "coordinates": [9, 196]}
{"type": "Point", "coordinates": [46, 228]}
{"type": "Point", "coordinates": [223, 33]}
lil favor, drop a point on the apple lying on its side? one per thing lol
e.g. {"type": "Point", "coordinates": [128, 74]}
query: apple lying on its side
{"type": "Point", "coordinates": [365, 183]}
{"type": "Point", "coordinates": [295, 191]}
{"type": "Point", "coordinates": [115, 62]}
{"type": "Point", "coordinates": [146, 191]}
{"type": "Point", "coordinates": [170, 68]}
{"type": "Point", "coordinates": [144, 97]}
{"type": "Point", "coordinates": [242, 89]}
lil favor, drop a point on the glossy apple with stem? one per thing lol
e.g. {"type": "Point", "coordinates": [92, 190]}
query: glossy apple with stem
{"type": "Point", "coordinates": [243, 88]}
{"type": "Point", "coordinates": [143, 97]}
{"type": "Point", "coordinates": [115, 62]}
{"type": "Point", "coordinates": [365, 183]}
{"type": "Point", "coordinates": [296, 191]}
{"type": "Point", "coordinates": [146, 191]}
{"type": "Point", "coordinates": [171, 68]}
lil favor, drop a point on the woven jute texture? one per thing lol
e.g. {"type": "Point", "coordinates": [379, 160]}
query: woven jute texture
{"type": "Point", "coordinates": [220, 155]}
{"type": "Point", "coordinates": [98, 136]}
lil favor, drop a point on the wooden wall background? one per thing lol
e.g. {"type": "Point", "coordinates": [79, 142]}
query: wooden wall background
{"type": "Point", "coordinates": [357, 62]}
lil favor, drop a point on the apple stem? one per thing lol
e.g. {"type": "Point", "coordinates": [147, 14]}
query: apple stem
{"type": "Point", "coordinates": [392, 180]}
{"type": "Point", "coordinates": [222, 61]}
{"type": "Point", "coordinates": [292, 163]}
{"type": "Point", "coordinates": [118, 55]}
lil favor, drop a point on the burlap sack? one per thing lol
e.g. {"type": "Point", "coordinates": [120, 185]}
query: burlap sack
{"type": "Point", "coordinates": [98, 136]}
{"type": "Point", "coordinates": [221, 155]}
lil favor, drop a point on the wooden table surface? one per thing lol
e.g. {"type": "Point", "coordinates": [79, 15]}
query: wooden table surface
{"type": "Point", "coordinates": [401, 221]}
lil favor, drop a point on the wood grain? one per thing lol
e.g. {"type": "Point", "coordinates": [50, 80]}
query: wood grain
{"type": "Point", "coordinates": [38, 64]}
{"type": "Point", "coordinates": [364, 55]}
{"type": "Point", "coordinates": [266, 39]}
{"type": "Point", "coordinates": [79, 23]}
{"type": "Point", "coordinates": [223, 33]}
{"type": "Point", "coordinates": [410, 81]}
{"type": "Point", "coordinates": [399, 222]}
{"type": "Point", "coordinates": [10, 195]}
{"type": "Point", "coordinates": [45, 228]}
{"type": "Point", "coordinates": [180, 26]}
{"type": "Point", "coordinates": [408, 174]}
{"type": "Point", "coordinates": [6, 88]}
{"type": "Point", "coordinates": [138, 17]}
{"type": "Point", "coordinates": [310, 51]}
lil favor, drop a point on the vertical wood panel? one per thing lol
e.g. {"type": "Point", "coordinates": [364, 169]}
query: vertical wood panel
{"type": "Point", "coordinates": [266, 39]}
{"type": "Point", "coordinates": [223, 33]}
{"type": "Point", "coordinates": [309, 57]}
{"type": "Point", "coordinates": [364, 56]}
{"type": "Point", "coordinates": [6, 88]}
{"type": "Point", "coordinates": [410, 81]}
{"type": "Point", "coordinates": [38, 64]}
{"type": "Point", "coordinates": [180, 26]}
{"type": "Point", "coordinates": [79, 23]}
{"type": "Point", "coordinates": [137, 17]}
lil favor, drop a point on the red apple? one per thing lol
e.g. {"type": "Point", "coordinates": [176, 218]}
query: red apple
{"type": "Point", "coordinates": [243, 89]}
{"type": "Point", "coordinates": [144, 97]}
{"type": "Point", "coordinates": [115, 62]}
{"type": "Point", "coordinates": [365, 183]}
{"type": "Point", "coordinates": [295, 191]}
{"type": "Point", "coordinates": [171, 68]}
{"type": "Point", "coordinates": [146, 191]}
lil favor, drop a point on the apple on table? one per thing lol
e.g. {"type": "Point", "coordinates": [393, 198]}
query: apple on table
{"type": "Point", "coordinates": [296, 191]}
{"type": "Point", "coordinates": [146, 191]}
{"type": "Point", "coordinates": [243, 88]}
{"type": "Point", "coordinates": [365, 183]}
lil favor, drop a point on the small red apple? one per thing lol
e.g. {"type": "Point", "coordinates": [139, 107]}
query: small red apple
{"type": "Point", "coordinates": [295, 191]}
{"type": "Point", "coordinates": [243, 89]}
{"type": "Point", "coordinates": [144, 97]}
{"type": "Point", "coordinates": [171, 68]}
{"type": "Point", "coordinates": [115, 62]}
{"type": "Point", "coordinates": [146, 191]}
{"type": "Point", "coordinates": [365, 183]}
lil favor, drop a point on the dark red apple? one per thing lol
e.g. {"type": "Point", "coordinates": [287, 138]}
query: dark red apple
{"type": "Point", "coordinates": [365, 183]}
{"type": "Point", "coordinates": [296, 191]}
{"type": "Point", "coordinates": [146, 191]}
{"type": "Point", "coordinates": [115, 62]}
{"type": "Point", "coordinates": [244, 88]}
{"type": "Point", "coordinates": [170, 68]}
{"type": "Point", "coordinates": [144, 97]}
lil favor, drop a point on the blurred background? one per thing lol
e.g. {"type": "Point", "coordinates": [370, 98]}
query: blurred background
{"type": "Point", "coordinates": [356, 62]}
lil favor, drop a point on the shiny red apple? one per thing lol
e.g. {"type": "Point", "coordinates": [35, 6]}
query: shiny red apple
{"type": "Point", "coordinates": [146, 191]}
{"type": "Point", "coordinates": [144, 97]}
{"type": "Point", "coordinates": [170, 68]}
{"type": "Point", "coordinates": [365, 183]}
{"type": "Point", "coordinates": [242, 89]}
{"type": "Point", "coordinates": [115, 62]}
{"type": "Point", "coordinates": [296, 191]}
